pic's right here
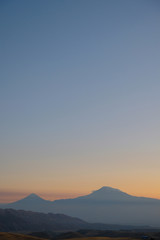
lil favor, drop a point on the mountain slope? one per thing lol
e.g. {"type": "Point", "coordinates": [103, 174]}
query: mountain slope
{"type": "Point", "coordinates": [31, 203]}
{"type": "Point", "coordinates": [19, 220]}
{"type": "Point", "coordinates": [108, 194]}
{"type": "Point", "coordinates": [107, 205]}
{"type": "Point", "coordinates": [113, 206]}
{"type": "Point", "coordinates": [28, 221]}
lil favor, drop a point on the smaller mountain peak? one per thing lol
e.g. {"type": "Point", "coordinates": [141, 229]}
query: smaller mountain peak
{"type": "Point", "coordinates": [32, 196]}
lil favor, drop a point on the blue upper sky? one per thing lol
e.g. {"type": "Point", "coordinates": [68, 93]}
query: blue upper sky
{"type": "Point", "coordinates": [80, 92]}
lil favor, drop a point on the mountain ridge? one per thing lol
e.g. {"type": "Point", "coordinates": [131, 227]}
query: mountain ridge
{"type": "Point", "coordinates": [102, 190]}
{"type": "Point", "coordinates": [20, 220]}
{"type": "Point", "coordinates": [105, 205]}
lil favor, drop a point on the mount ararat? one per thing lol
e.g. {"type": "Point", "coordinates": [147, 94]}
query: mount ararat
{"type": "Point", "coordinates": [106, 205]}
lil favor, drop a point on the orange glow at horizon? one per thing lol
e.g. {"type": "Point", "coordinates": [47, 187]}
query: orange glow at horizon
{"type": "Point", "coordinates": [11, 196]}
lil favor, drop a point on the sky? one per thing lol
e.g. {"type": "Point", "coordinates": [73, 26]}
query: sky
{"type": "Point", "coordinates": [79, 97]}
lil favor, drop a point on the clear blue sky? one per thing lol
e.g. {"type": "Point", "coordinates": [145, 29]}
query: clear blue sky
{"type": "Point", "coordinates": [80, 95]}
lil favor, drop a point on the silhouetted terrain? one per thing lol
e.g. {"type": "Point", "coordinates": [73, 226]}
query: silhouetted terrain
{"type": "Point", "coordinates": [59, 226]}
{"type": "Point", "coordinates": [83, 235]}
{"type": "Point", "coordinates": [107, 205]}
{"type": "Point", "coordinates": [103, 235]}
{"type": "Point", "coordinates": [15, 236]}
{"type": "Point", "coordinates": [21, 221]}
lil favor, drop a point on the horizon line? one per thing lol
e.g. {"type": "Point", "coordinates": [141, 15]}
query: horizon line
{"type": "Point", "coordinates": [58, 196]}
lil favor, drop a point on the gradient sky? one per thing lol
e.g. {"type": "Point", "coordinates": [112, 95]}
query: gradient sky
{"type": "Point", "coordinates": [79, 97]}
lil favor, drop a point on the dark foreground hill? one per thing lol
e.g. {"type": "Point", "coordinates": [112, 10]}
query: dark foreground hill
{"type": "Point", "coordinates": [15, 236]}
{"type": "Point", "coordinates": [107, 205]}
{"type": "Point", "coordinates": [84, 235]}
{"type": "Point", "coordinates": [28, 221]}
{"type": "Point", "coordinates": [20, 221]}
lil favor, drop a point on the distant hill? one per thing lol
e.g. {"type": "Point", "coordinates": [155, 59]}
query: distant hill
{"type": "Point", "coordinates": [107, 205]}
{"type": "Point", "coordinates": [20, 220]}
{"type": "Point", "coordinates": [28, 221]}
